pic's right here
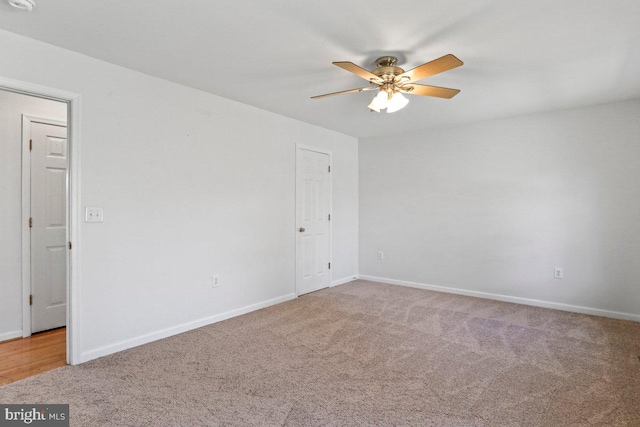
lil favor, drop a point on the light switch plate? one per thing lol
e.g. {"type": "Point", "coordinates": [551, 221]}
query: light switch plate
{"type": "Point", "coordinates": [93, 215]}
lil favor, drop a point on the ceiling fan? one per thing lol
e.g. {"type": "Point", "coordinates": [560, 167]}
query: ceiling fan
{"type": "Point", "coordinates": [392, 81]}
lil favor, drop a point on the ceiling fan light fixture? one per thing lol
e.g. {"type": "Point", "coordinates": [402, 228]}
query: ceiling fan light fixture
{"type": "Point", "coordinates": [379, 102]}
{"type": "Point", "coordinates": [27, 5]}
{"type": "Point", "coordinates": [397, 102]}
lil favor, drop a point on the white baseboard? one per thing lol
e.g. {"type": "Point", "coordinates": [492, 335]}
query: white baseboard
{"type": "Point", "coordinates": [10, 335]}
{"type": "Point", "coordinates": [174, 330]}
{"type": "Point", "coordinates": [507, 298]}
{"type": "Point", "coordinates": [343, 281]}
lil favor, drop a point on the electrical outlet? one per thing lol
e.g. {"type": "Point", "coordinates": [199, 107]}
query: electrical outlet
{"type": "Point", "coordinates": [558, 273]}
{"type": "Point", "coordinates": [380, 255]}
{"type": "Point", "coordinates": [215, 283]}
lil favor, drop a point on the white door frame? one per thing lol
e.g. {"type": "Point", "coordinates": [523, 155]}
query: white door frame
{"type": "Point", "coordinates": [330, 154]}
{"type": "Point", "coordinates": [74, 213]}
{"type": "Point", "coordinates": [27, 121]}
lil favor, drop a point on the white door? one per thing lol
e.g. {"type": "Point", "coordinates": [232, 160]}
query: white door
{"type": "Point", "coordinates": [312, 215]}
{"type": "Point", "coordinates": [49, 165]}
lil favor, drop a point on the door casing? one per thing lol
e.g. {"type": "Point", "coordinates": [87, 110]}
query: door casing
{"type": "Point", "coordinates": [74, 211]}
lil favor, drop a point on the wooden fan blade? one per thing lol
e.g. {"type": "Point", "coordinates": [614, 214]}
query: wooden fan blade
{"type": "Point", "coordinates": [362, 89]}
{"type": "Point", "coordinates": [358, 71]}
{"type": "Point", "coordinates": [445, 63]}
{"type": "Point", "coordinates": [425, 90]}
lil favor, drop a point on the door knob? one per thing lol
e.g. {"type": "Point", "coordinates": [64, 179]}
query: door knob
{"type": "Point", "coordinates": [302, 229]}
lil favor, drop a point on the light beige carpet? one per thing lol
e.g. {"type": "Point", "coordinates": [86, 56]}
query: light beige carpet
{"type": "Point", "coordinates": [364, 354]}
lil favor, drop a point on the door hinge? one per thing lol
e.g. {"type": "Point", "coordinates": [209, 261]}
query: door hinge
{"type": "Point", "coordinates": [329, 266]}
{"type": "Point", "coordinates": [30, 299]}
{"type": "Point", "coordinates": [329, 168]}
{"type": "Point", "coordinates": [329, 217]}
{"type": "Point", "coordinates": [30, 144]}
{"type": "Point", "coordinates": [69, 245]}
{"type": "Point", "coordinates": [30, 222]}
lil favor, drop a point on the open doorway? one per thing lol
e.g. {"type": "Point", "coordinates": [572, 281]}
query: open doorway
{"type": "Point", "coordinates": [34, 190]}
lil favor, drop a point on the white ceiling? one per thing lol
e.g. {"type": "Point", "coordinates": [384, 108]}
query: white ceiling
{"type": "Point", "coordinates": [520, 56]}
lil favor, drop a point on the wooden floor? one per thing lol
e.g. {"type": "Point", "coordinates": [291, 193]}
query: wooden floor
{"type": "Point", "coordinates": [24, 357]}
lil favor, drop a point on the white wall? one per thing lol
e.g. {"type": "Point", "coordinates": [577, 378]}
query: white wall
{"type": "Point", "coordinates": [12, 106]}
{"type": "Point", "coordinates": [191, 185]}
{"type": "Point", "coordinates": [494, 207]}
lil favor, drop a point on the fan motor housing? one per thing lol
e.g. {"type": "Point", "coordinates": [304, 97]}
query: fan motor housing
{"type": "Point", "coordinates": [387, 69]}
{"type": "Point", "coordinates": [383, 72]}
